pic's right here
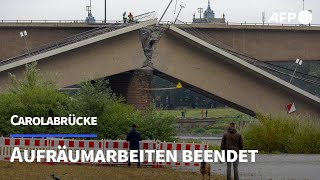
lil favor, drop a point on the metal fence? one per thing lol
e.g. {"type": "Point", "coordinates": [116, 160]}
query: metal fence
{"type": "Point", "coordinates": [56, 21]}
{"type": "Point", "coordinates": [244, 24]}
{"type": "Point", "coordinates": [141, 17]}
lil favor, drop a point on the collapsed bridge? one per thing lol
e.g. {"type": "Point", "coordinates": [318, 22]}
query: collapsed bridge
{"type": "Point", "coordinates": [130, 54]}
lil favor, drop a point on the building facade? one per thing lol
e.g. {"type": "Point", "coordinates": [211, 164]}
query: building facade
{"type": "Point", "coordinates": [208, 16]}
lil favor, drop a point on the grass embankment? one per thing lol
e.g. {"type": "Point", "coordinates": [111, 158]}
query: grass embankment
{"type": "Point", "coordinates": [283, 134]}
{"type": "Point", "coordinates": [223, 117]}
{"type": "Point", "coordinates": [212, 113]}
{"type": "Point", "coordinates": [17, 171]}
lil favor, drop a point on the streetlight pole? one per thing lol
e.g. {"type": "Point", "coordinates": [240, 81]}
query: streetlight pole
{"type": "Point", "coordinates": [165, 11]}
{"type": "Point", "coordinates": [263, 17]}
{"type": "Point", "coordinates": [181, 6]}
{"type": "Point", "coordinates": [298, 62]}
{"type": "Point", "coordinates": [105, 11]}
{"type": "Point", "coordinates": [25, 40]}
{"type": "Point", "coordinates": [200, 11]}
{"type": "Point", "coordinates": [24, 34]}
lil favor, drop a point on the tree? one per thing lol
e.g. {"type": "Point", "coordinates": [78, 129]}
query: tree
{"type": "Point", "coordinates": [32, 96]}
{"type": "Point", "coordinates": [37, 96]}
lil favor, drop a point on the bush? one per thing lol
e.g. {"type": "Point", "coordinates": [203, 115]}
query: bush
{"type": "Point", "coordinates": [30, 97]}
{"type": "Point", "coordinates": [306, 139]}
{"type": "Point", "coordinates": [157, 125]}
{"type": "Point", "coordinates": [283, 134]}
{"type": "Point", "coordinates": [36, 96]}
{"type": "Point", "coordinates": [115, 122]}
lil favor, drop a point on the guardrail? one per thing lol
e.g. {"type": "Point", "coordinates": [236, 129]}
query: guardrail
{"type": "Point", "coordinates": [242, 24]}
{"type": "Point", "coordinates": [78, 37]}
{"type": "Point", "coordinates": [57, 21]}
{"type": "Point", "coordinates": [162, 22]}
{"type": "Point", "coordinates": [141, 17]}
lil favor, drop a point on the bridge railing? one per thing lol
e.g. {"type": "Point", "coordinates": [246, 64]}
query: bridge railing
{"type": "Point", "coordinates": [78, 37]}
{"type": "Point", "coordinates": [77, 21]}
{"type": "Point", "coordinates": [268, 24]}
{"type": "Point", "coordinates": [247, 24]}
{"type": "Point", "coordinates": [57, 21]}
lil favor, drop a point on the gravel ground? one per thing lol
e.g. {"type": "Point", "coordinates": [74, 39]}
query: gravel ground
{"type": "Point", "coordinates": [279, 166]}
{"type": "Point", "coordinates": [266, 167]}
{"type": "Point", "coordinates": [35, 171]}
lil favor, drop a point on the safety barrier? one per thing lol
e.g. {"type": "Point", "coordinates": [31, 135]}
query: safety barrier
{"type": "Point", "coordinates": [7, 145]}
{"type": "Point", "coordinates": [71, 144]}
{"type": "Point", "coordinates": [179, 147]}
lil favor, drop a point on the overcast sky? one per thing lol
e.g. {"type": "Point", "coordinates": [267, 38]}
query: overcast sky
{"type": "Point", "coordinates": [235, 10]}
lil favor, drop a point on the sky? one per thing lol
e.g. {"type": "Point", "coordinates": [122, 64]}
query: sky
{"type": "Point", "coordinates": [249, 11]}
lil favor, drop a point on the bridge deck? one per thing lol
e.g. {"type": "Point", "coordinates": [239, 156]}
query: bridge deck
{"type": "Point", "coordinates": [223, 76]}
{"type": "Point", "coordinates": [74, 42]}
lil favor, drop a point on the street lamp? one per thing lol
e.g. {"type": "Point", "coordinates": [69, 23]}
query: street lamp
{"type": "Point", "coordinates": [182, 5]}
{"type": "Point", "coordinates": [299, 63]}
{"type": "Point", "coordinates": [165, 12]}
{"type": "Point", "coordinates": [263, 17]}
{"type": "Point", "coordinates": [105, 11]}
{"type": "Point", "coordinates": [24, 34]}
{"type": "Point", "coordinates": [200, 11]}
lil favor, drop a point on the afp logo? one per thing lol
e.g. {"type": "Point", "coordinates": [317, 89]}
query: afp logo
{"type": "Point", "coordinates": [304, 17]}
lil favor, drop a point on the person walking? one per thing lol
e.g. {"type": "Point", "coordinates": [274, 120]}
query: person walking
{"type": "Point", "coordinates": [232, 140]}
{"type": "Point", "coordinates": [134, 138]}
{"type": "Point", "coordinates": [202, 111]}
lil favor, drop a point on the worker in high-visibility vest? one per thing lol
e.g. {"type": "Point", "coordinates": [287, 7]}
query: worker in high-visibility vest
{"type": "Point", "coordinates": [130, 16]}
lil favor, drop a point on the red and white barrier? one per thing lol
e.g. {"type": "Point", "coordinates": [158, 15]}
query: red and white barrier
{"type": "Point", "coordinates": [149, 145]}
{"type": "Point", "coordinates": [7, 145]}
{"type": "Point", "coordinates": [180, 147]}
{"type": "Point", "coordinates": [71, 144]}
{"type": "Point", "coordinates": [124, 145]}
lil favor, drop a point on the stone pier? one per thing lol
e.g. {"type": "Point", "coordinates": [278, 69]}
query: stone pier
{"type": "Point", "coordinates": [134, 87]}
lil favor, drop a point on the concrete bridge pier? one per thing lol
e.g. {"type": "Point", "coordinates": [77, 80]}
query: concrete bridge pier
{"type": "Point", "coordinates": [133, 87]}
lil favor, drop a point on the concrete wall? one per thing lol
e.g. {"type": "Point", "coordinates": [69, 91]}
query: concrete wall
{"type": "Point", "coordinates": [263, 42]}
{"type": "Point", "coordinates": [104, 58]}
{"type": "Point", "coordinates": [11, 44]}
{"type": "Point", "coordinates": [271, 45]}
{"type": "Point", "coordinates": [210, 74]}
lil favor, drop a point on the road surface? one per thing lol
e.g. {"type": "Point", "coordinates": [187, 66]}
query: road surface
{"type": "Point", "coordinates": [275, 167]}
